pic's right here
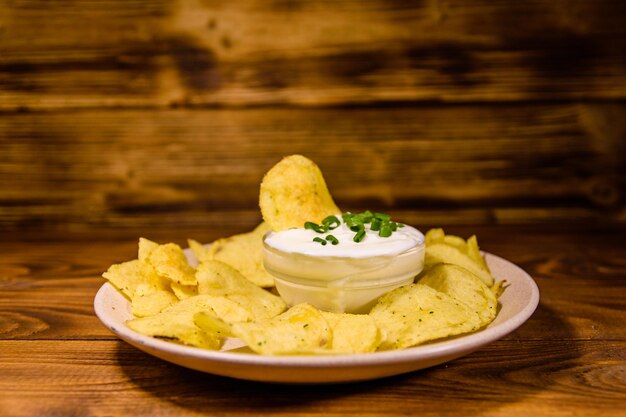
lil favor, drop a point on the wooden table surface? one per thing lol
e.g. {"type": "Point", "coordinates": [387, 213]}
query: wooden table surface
{"type": "Point", "coordinates": [569, 359]}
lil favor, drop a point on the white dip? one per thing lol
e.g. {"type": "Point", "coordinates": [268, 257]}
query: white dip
{"type": "Point", "coordinates": [347, 277]}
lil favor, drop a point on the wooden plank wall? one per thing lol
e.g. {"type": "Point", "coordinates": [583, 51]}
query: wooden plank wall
{"type": "Point", "coordinates": [151, 113]}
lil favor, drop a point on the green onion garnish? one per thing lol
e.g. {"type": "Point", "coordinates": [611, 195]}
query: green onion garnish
{"type": "Point", "coordinates": [383, 217]}
{"type": "Point", "coordinates": [379, 222]}
{"type": "Point", "coordinates": [315, 227]}
{"type": "Point", "coordinates": [359, 235]}
{"type": "Point", "coordinates": [385, 230]}
{"type": "Point", "coordinates": [331, 222]}
{"type": "Point", "coordinates": [332, 239]}
{"type": "Point", "coordinates": [357, 227]}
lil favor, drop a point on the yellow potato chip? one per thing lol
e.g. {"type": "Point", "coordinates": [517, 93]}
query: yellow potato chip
{"type": "Point", "coordinates": [416, 313]}
{"type": "Point", "coordinates": [146, 247]}
{"type": "Point", "coordinates": [463, 286]}
{"type": "Point", "coordinates": [244, 252]}
{"type": "Point", "coordinates": [301, 329]}
{"type": "Point", "coordinates": [218, 278]}
{"type": "Point", "coordinates": [176, 323]}
{"type": "Point", "coordinates": [183, 291]}
{"type": "Point", "coordinates": [228, 309]}
{"type": "Point", "coordinates": [294, 192]}
{"type": "Point", "coordinates": [441, 253]}
{"type": "Point", "coordinates": [152, 302]}
{"type": "Point", "coordinates": [209, 322]}
{"type": "Point", "coordinates": [131, 275]}
{"type": "Point", "coordinates": [170, 261]}
{"type": "Point", "coordinates": [455, 241]}
{"type": "Point", "coordinates": [352, 333]}
{"type": "Point", "coordinates": [200, 251]}
{"type": "Point", "coordinates": [442, 248]}
{"type": "Point", "coordinates": [473, 251]}
{"type": "Point", "coordinates": [435, 236]}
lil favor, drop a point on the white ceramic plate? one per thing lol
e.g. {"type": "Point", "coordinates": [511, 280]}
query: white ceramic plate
{"type": "Point", "coordinates": [517, 304]}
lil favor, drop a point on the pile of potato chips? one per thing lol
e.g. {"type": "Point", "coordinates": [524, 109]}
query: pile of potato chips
{"type": "Point", "coordinates": [229, 293]}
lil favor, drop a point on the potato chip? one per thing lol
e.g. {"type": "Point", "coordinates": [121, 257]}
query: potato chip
{"type": "Point", "coordinates": [146, 247]}
{"type": "Point", "coordinates": [441, 253]}
{"type": "Point", "coordinates": [131, 275]}
{"type": "Point", "coordinates": [294, 192]}
{"type": "Point", "coordinates": [151, 302]}
{"type": "Point", "coordinates": [209, 322]}
{"type": "Point", "coordinates": [417, 313]}
{"type": "Point", "coordinates": [352, 333]}
{"type": "Point", "coordinates": [435, 236]}
{"type": "Point", "coordinates": [200, 251]}
{"type": "Point", "coordinates": [473, 251]}
{"type": "Point", "coordinates": [183, 291]}
{"type": "Point", "coordinates": [170, 261]}
{"type": "Point", "coordinates": [176, 323]}
{"type": "Point", "coordinates": [244, 252]}
{"type": "Point", "coordinates": [301, 329]}
{"type": "Point", "coordinates": [463, 286]}
{"type": "Point", "coordinates": [228, 309]}
{"type": "Point", "coordinates": [442, 248]}
{"type": "Point", "coordinates": [218, 278]}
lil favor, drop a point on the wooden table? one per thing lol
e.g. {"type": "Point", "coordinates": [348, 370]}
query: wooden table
{"type": "Point", "coordinates": [569, 359]}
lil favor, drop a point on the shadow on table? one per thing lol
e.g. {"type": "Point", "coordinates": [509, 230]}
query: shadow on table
{"type": "Point", "coordinates": [500, 374]}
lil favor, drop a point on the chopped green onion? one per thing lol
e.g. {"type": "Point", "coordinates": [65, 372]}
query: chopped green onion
{"type": "Point", "coordinates": [356, 227]}
{"type": "Point", "coordinates": [315, 227]}
{"type": "Point", "coordinates": [385, 230]}
{"type": "Point", "coordinates": [360, 235]}
{"type": "Point", "coordinates": [331, 222]}
{"type": "Point", "coordinates": [379, 222]}
{"type": "Point", "coordinates": [332, 239]}
{"type": "Point", "coordinates": [383, 217]}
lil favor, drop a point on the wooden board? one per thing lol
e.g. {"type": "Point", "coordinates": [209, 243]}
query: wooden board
{"type": "Point", "coordinates": [436, 165]}
{"type": "Point", "coordinates": [173, 53]}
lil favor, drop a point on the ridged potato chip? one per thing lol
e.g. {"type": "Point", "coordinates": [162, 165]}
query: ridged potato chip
{"type": "Point", "coordinates": [463, 286]}
{"type": "Point", "coordinates": [218, 278]}
{"type": "Point", "coordinates": [442, 248]}
{"type": "Point", "coordinates": [244, 252]}
{"type": "Point", "coordinates": [200, 251]}
{"type": "Point", "coordinates": [416, 313]}
{"type": "Point", "coordinates": [352, 333]}
{"type": "Point", "coordinates": [300, 330]}
{"type": "Point", "coordinates": [176, 323]}
{"type": "Point", "coordinates": [183, 291]}
{"type": "Point", "coordinates": [148, 302]}
{"type": "Point", "coordinates": [146, 247]}
{"type": "Point", "coordinates": [170, 261]}
{"type": "Point", "coordinates": [293, 192]}
{"type": "Point", "coordinates": [130, 276]}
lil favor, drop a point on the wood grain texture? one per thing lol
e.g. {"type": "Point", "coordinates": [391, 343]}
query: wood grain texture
{"type": "Point", "coordinates": [438, 165]}
{"type": "Point", "coordinates": [508, 378]}
{"type": "Point", "coordinates": [172, 53]}
{"type": "Point", "coordinates": [47, 291]}
{"type": "Point", "coordinates": [568, 359]}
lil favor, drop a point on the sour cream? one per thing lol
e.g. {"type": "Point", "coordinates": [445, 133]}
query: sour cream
{"type": "Point", "coordinates": [346, 277]}
{"type": "Point", "coordinates": [301, 241]}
